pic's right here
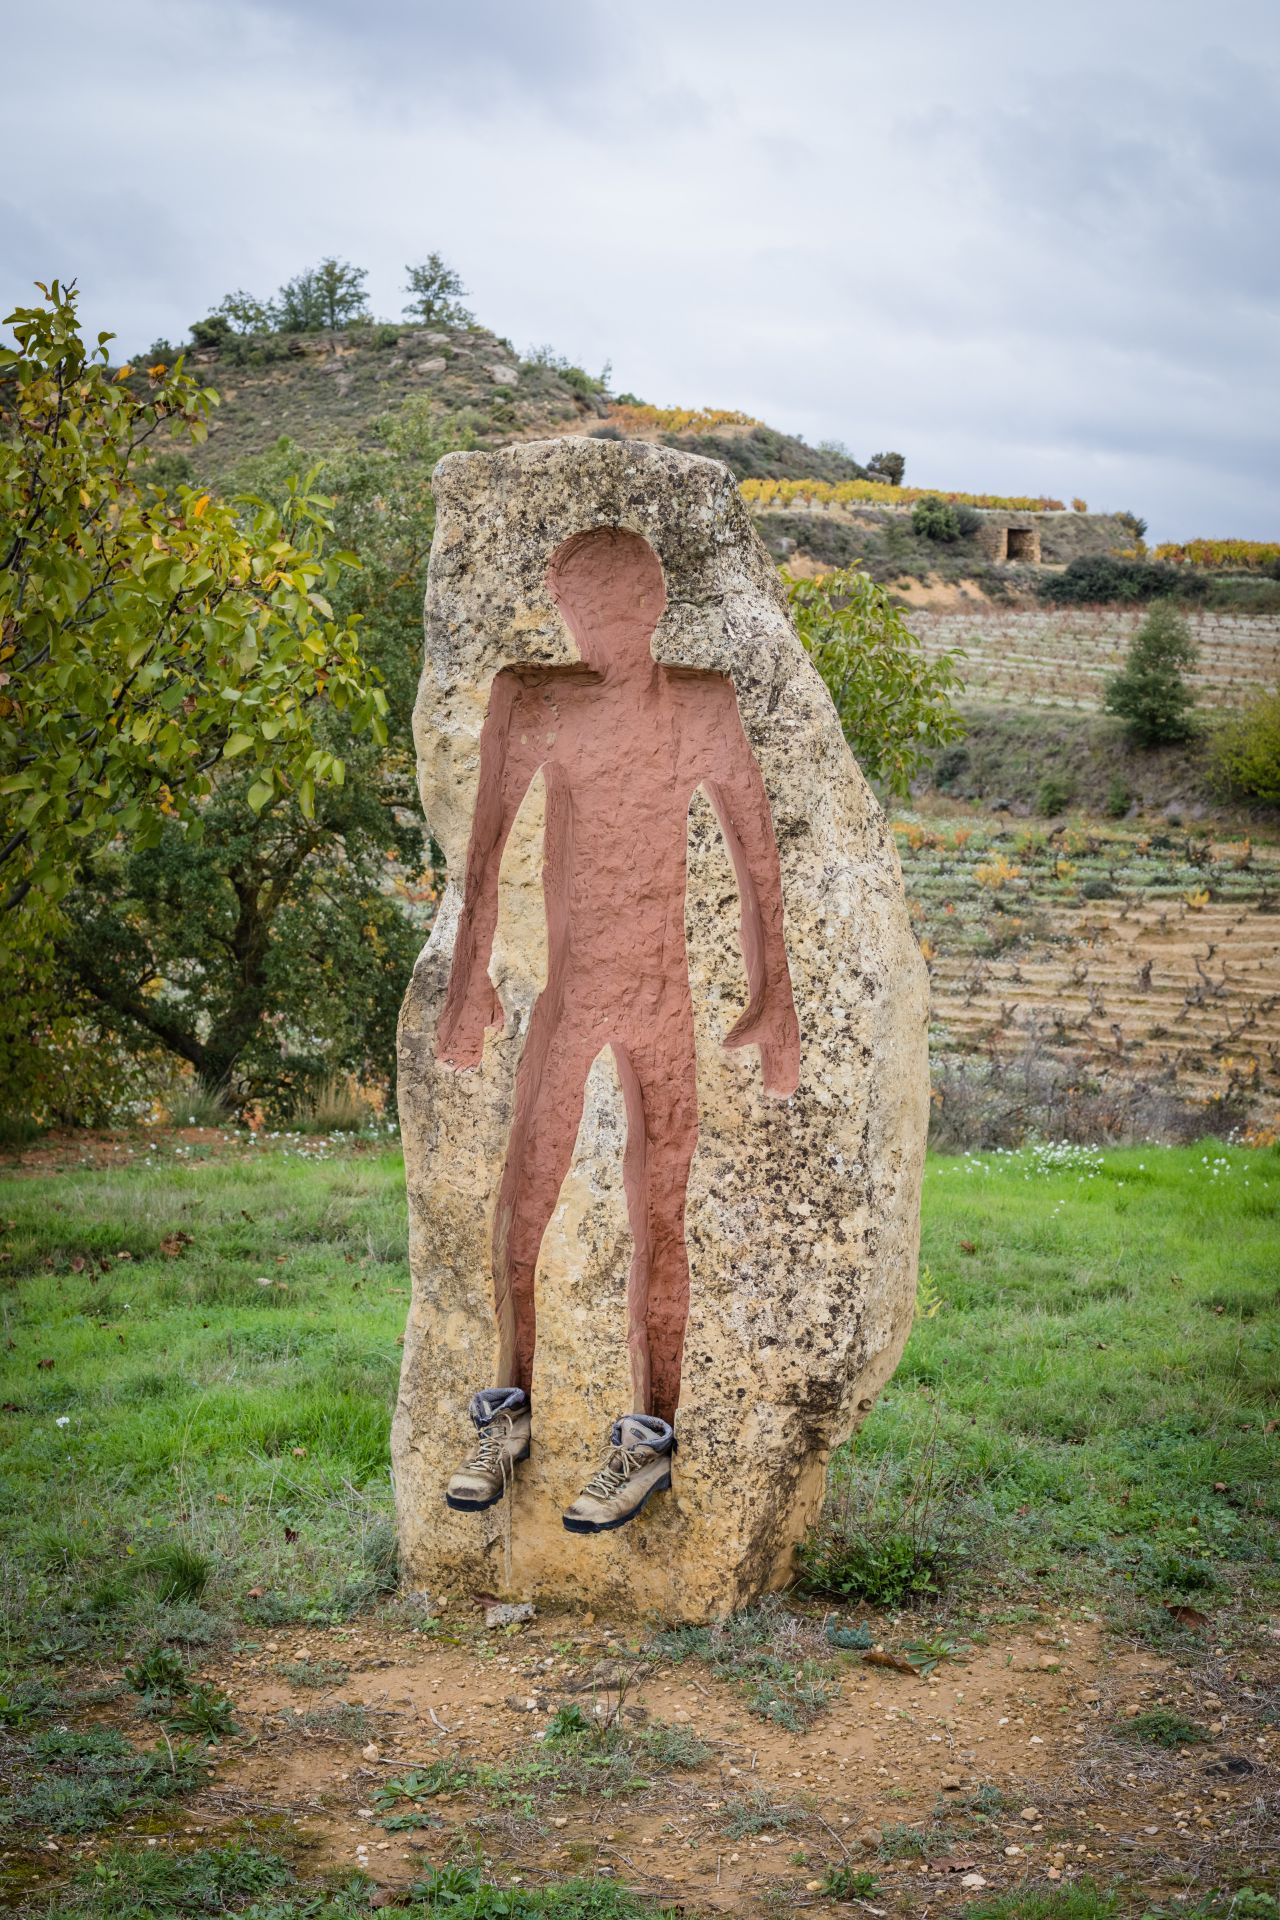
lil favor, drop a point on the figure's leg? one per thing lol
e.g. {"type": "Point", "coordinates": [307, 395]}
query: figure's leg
{"type": "Point", "coordinates": [659, 1083]}
{"type": "Point", "coordinates": [550, 1086]}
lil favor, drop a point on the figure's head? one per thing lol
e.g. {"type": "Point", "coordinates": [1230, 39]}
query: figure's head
{"type": "Point", "coordinates": [609, 588]}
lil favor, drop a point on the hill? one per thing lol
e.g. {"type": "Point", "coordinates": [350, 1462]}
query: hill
{"type": "Point", "coordinates": [326, 389]}
{"type": "Point", "coordinates": [323, 389]}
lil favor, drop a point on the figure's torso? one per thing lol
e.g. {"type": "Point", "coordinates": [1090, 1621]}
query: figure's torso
{"type": "Point", "coordinates": [621, 761]}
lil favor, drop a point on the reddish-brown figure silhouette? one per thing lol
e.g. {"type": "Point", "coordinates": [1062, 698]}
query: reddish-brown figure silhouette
{"type": "Point", "coordinates": [623, 743]}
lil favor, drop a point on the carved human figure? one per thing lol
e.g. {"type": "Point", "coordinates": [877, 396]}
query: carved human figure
{"type": "Point", "coordinates": [622, 743]}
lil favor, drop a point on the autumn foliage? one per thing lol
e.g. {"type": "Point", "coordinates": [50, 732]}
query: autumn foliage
{"type": "Point", "coordinates": [1223, 556]}
{"type": "Point", "coordinates": [845, 493]}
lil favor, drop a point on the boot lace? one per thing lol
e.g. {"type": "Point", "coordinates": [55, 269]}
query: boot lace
{"type": "Point", "coordinates": [488, 1456]}
{"type": "Point", "coordinates": [615, 1472]}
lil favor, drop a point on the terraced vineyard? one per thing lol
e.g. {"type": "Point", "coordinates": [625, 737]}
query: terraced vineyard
{"type": "Point", "coordinates": [1061, 657]}
{"type": "Point", "coordinates": [1128, 956]}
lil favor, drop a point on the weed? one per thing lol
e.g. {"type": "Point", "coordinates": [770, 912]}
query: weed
{"type": "Point", "coordinates": [1084, 1901]}
{"type": "Point", "coordinates": [175, 1570]}
{"type": "Point", "coordinates": [442, 1776]}
{"type": "Point", "coordinates": [568, 1722]}
{"type": "Point", "coordinates": [148, 1883]}
{"type": "Point", "coordinates": [755, 1812]}
{"type": "Point", "coordinates": [24, 1701]}
{"type": "Point", "coordinates": [850, 1883]}
{"type": "Point", "coordinates": [205, 1711]}
{"type": "Point", "coordinates": [463, 1893]}
{"type": "Point", "coordinates": [312, 1673]}
{"type": "Point", "coordinates": [889, 1536]}
{"type": "Point", "coordinates": [1162, 1727]}
{"type": "Point", "coordinates": [159, 1674]}
{"type": "Point", "coordinates": [81, 1781]}
{"type": "Point", "coordinates": [901, 1842]}
{"type": "Point", "coordinates": [926, 1655]}
{"type": "Point", "coordinates": [764, 1651]}
{"type": "Point", "coordinates": [674, 1749]}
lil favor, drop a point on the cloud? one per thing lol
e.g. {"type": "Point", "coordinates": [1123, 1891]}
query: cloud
{"type": "Point", "coordinates": [1036, 258]}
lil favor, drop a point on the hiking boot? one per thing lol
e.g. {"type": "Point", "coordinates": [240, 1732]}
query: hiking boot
{"type": "Point", "coordinates": [639, 1464]}
{"type": "Point", "coordinates": [503, 1424]}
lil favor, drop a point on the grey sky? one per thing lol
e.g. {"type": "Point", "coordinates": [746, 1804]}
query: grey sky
{"type": "Point", "coordinates": [1033, 248]}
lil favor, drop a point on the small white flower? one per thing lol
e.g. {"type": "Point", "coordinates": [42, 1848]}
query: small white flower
{"type": "Point", "coordinates": [63, 1420]}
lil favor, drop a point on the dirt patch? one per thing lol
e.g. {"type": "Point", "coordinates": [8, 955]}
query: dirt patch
{"type": "Point", "coordinates": [942, 596]}
{"type": "Point", "coordinates": [1007, 1766]}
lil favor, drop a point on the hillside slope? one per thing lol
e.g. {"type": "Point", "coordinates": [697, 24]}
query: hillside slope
{"type": "Point", "coordinates": [325, 389]}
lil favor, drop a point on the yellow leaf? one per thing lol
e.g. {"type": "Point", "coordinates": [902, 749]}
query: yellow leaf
{"type": "Point", "coordinates": [123, 374]}
{"type": "Point", "coordinates": [200, 505]}
{"type": "Point", "coordinates": [85, 501]}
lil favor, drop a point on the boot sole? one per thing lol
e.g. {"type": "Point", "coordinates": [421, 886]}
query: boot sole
{"type": "Point", "coordinates": [482, 1506]}
{"type": "Point", "coordinates": [607, 1526]}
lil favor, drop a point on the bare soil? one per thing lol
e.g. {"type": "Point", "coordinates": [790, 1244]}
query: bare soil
{"type": "Point", "coordinates": [1007, 1767]}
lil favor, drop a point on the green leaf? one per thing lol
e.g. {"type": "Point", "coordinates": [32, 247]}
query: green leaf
{"type": "Point", "coordinates": [237, 743]}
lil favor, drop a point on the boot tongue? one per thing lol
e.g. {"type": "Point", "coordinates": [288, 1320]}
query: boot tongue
{"type": "Point", "coordinates": [491, 1401]}
{"type": "Point", "coordinates": [636, 1430]}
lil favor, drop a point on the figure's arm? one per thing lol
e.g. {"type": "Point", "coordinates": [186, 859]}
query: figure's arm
{"type": "Point", "coordinates": [507, 765]}
{"type": "Point", "coordinates": [737, 793]}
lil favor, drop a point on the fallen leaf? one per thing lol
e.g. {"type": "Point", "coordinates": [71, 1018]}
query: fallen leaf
{"type": "Point", "coordinates": [45, 1365]}
{"type": "Point", "coordinates": [291, 1534]}
{"type": "Point", "coordinates": [895, 1660]}
{"type": "Point", "coordinates": [77, 1265]}
{"type": "Point", "coordinates": [1186, 1615]}
{"type": "Point", "coordinates": [968, 1246]}
{"type": "Point", "coordinates": [254, 1593]}
{"type": "Point", "coordinates": [173, 1243]}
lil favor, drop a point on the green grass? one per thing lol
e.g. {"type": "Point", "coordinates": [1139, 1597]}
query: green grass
{"type": "Point", "coordinates": [80, 1782]}
{"type": "Point", "coordinates": [1092, 1397]}
{"type": "Point", "coordinates": [1091, 1402]}
{"type": "Point", "coordinates": [211, 1422]}
{"type": "Point", "coordinates": [129, 1884]}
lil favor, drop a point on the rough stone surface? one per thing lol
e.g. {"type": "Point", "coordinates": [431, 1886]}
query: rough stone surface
{"type": "Point", "coordinates": [803, 1212]}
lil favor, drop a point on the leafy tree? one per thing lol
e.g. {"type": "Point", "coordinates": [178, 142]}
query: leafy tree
{"type": "Point", "coordinates": [145, 636]}
{"type": "Point", "coordinates": [246, 313]}
{"type": "Point", "coordinates": [888, 466]}
{"type": "Point", "coordinates": [149, 638]}
{"type": "Point", "coordinates": [1245, 751]}
{"type": "Point", "coordinates": [276, 953]}
{"type": "Point", "coordinates": [436, 294]}
{"type": "Point", "coordinates": [1150, 693]}
{"type": "Point", "coordinates": [323, 298]}
{"type": "Point", "coordinates": [299, 306]}
{"type": "Point", "coordinates": [894, 704]}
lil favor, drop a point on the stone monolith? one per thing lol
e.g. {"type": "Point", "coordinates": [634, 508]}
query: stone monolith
{"type": "Point", "coordinates": [802, 1213]}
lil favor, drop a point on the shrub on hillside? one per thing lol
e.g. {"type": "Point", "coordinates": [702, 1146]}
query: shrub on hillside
{"type": "Point", "coordinates": [1101, 577]}
{"type": "Point", "coordinates": [936, 519]}
{"type": "Point", "coordinates": [1150, 693]}
{"type": "Point", "coordinates": [1245, 753]}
